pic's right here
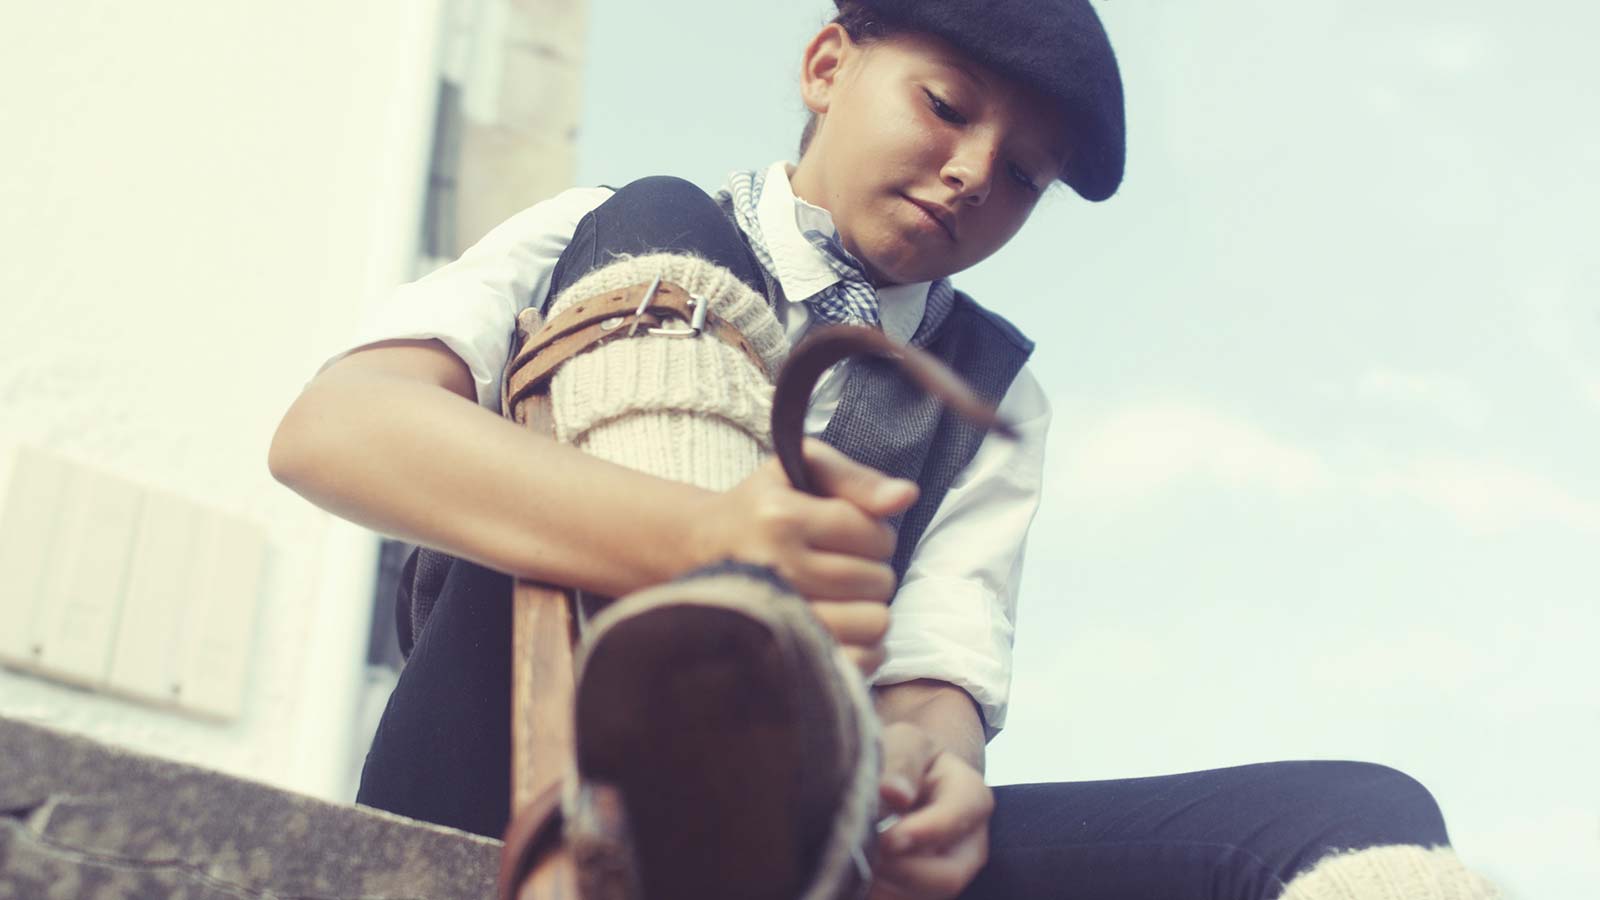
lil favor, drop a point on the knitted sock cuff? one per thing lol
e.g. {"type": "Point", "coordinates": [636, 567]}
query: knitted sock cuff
{"type": "Point", "coordinates": [1391, 872]}
{"type": "Point", "coordinates": [689, 409]}
{"type": "Point", "coordinates": [656, 373]}
{"type": "Point", "coordinates": [704, 451]}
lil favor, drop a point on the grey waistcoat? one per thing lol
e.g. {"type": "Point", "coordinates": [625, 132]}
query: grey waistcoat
{"type": "Point", "coordinates": [887, 422]}
{"type": "Point", "coordinates": [883, 420]}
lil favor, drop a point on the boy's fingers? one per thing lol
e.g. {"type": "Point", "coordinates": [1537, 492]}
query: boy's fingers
{"type": "Point", "coordinates": [843, 527]}
{"type": "Point", "coordinates": [960, 804]}
{"type": "Point", "coordinates": [853, 623]}
{"type": "Point", "coordinates": [840, 476]}
{"type": "Point", "coordinates": [867, 659]}
{"type": "Point", "coordinates": [935, 826]}
{"type": "Point", "coordinates": [840, 576]}
{"type": "Point", "coordinates": [908, 753]}
{"type": "Point", "coordinates": [932, 873]}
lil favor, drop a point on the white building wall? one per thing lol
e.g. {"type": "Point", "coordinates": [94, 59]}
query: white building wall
{"type": "Point", "coordinates": [196, 200]}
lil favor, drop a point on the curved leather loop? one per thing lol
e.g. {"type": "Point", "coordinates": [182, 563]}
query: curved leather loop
{"type": "Point", "coordinates": [830, 345]}
{"type": "Point", "coordinates": [532, 833]}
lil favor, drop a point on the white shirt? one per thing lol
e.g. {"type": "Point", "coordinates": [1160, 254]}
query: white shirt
{"type": "Point", "coordinates": [954, 615]}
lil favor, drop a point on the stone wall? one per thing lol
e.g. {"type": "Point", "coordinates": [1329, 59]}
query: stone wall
{"type": "Point", "coordinates": [81, 819]}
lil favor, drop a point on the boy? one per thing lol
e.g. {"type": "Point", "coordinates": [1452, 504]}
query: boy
{"type": "Point", "coordinates": [936, 126]}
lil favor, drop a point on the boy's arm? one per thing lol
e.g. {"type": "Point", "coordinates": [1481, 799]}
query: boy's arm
{"type": "Point", "coordinates": [388, 437]}
{"type": "Point", "coordinates": [955, 610]}
{"type": "Point", "coordinates": [383, 438]}
{"type": "Point", "coordinates": [945, 712]}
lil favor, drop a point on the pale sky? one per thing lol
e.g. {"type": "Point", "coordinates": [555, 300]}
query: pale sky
{"type": "Point", "coordinates": [1322, 478]}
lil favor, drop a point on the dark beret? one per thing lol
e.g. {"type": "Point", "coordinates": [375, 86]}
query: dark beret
{"type": "Point", "coordinates": [1057, 47]}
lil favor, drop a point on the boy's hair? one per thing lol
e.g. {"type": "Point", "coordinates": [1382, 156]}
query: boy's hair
{"type": "Point", "coordinates": [864, 28]}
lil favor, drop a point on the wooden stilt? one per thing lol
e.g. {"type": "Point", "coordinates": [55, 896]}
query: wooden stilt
{"type": "Point", "coordinates": [543, 685]}
{"type": "Point", "coordinates": [541, 689]}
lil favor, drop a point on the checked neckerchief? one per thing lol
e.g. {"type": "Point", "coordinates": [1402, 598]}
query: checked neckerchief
{"type": "Point", "coordinates": [852, 300]}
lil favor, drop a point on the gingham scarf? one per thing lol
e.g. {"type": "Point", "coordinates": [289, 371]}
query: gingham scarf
{"type": "Point", "coordinates": [850, 300]}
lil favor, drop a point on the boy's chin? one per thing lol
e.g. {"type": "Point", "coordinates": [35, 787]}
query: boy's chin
{"type": "Point", "coordinates": [911, 276]}
{"type": "Point", "coordinates": [909, 271]}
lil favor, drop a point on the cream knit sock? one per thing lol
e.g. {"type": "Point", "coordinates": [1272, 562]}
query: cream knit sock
{"type": "Point", "coordinates": [1390, 872]}
{"type": "Point", "coordinates": [687, 409]}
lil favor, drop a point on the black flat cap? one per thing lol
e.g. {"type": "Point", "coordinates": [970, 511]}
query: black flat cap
{"type": "Point", "coordinates": [1057, 47]}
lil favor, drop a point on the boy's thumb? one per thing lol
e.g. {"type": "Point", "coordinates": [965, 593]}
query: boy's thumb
{"type": "Point", "coordinates": [840, 476]}
{"type": "Point", "coordinates": [893, 495]}
{"type": "Point", "coordinates": [908, 753]}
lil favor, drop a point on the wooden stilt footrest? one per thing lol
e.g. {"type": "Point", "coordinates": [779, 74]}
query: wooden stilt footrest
{"type": "Point", "coordinates": [536, 864]}
{"type": "Point", "coordinates": [542, 690]}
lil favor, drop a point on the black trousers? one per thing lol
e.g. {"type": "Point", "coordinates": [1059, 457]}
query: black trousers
{"type": "Point", "coordinates": [442, 749]}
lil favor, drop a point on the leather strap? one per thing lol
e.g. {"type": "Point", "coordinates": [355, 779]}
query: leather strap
{"type": "Point", "coordinates": [830, 345]}
{"type": "Point", "coordinates": [600, 320]}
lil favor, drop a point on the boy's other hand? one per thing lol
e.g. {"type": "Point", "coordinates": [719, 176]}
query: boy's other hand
{"type": "Point", "coordinates": [834, 549]}
{"type": "Point", "coordinates": [941, 838]}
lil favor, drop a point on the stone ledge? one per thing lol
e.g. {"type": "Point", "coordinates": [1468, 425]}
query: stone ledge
{"type": "Point", "coordinates": [83, 819]}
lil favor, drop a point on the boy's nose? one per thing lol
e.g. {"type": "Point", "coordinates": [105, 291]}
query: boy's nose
{"type": "Point", "coordinates": [971, 176]}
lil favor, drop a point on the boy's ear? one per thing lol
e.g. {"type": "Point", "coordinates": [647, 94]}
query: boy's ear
{"type": "Point", "coordinates": [820, 66]}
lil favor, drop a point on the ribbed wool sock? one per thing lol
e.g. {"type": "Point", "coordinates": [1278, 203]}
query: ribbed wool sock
{"type": "Point", "coordinates": [687, 409]}
{"type": "Point", "coordinates": [1391, 872]}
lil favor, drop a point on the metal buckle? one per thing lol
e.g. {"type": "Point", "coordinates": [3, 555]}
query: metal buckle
{"type": "Point", "coordinates": [697, 320]}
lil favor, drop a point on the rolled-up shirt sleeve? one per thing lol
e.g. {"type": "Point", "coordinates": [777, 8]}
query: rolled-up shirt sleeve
{"type": "Point", "coordinates": [471, 304]}
{"type": "Point", "coordinates": [954, 616]}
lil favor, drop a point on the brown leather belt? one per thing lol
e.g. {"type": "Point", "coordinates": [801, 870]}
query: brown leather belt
{"type": "Point", "coordinates": [664, 308]}
{"type": "Point", "coordinates": [655, 308]}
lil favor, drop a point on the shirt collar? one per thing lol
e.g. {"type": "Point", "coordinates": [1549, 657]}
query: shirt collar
{"type": "Point", "coordinates": [799, 267]}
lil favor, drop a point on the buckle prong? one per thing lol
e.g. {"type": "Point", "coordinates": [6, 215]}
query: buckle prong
{"type": "Point", "coordinates": [649, 294]}
{"type": "Point", "coordinates": [701, 305]}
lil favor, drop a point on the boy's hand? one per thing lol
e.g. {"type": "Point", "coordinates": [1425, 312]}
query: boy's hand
{"type": "Point", "coordinates": [942, 838]}
{"type": "Point", "coordinates": [834, 550]}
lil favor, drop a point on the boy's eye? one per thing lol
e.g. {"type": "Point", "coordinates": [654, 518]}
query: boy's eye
{"type": "Point", "coordinates": [1026, 180]}
{"type": "Point", "coordinates": [942, 109]}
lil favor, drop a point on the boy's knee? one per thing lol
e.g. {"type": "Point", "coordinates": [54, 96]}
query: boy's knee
{"type": "Point", "coordinates": [667, 214]}
{"type": "Point", "coordinates": [1379, 787]}
{"type": "Point", "coordinates": [1366, 804]}
{"type": "Point", "coordinates": [666, 192]}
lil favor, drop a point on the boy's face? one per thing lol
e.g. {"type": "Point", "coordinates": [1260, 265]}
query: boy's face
{"type": "Point", "coordinates": [911, 120]}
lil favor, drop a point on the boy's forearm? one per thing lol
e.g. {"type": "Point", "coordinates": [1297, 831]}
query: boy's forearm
{"type": "Point", "coordinates": [416, 462]}
{"type": "Point", "coordinates": [947, 713]}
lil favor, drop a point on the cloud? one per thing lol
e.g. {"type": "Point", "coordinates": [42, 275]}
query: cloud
{"type": "Point", "coordinates": [1485, 496]}
{"type": "Point", "coordinates": [1135, 454]}
{"type": "Point", "coordinates": [1140, 452]}
{"type": "Point", "coordinates": [1426, 662]}
{"type": "Point", "coordinates": [1451, 398]}
{"type": "Point", "coordinates": [1454, 50]}
{"type": "Point", "coordinates": [1562, 324]}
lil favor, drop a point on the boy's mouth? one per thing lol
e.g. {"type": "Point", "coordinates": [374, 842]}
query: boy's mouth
{"type": "Point", "coordinates": [937, 214]}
